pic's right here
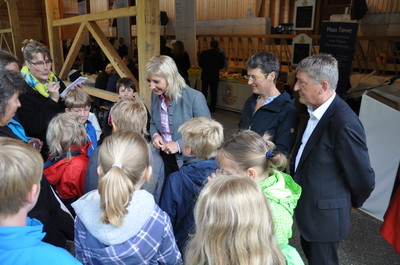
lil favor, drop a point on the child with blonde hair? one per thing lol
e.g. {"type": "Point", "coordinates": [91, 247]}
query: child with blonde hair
{"type": "Point", "coordinates": [201, 139]}
{"type": "Point", "coordinates": [77, 100]}
{"type": "Point", "coordinates": [21, 237]}
{"type": "Point", "coordinates": [67, 163]}
{"type": "Point", "coordinates": [129, 115]}
{"type": "Point", "coordinates": [233, 225]}
{"type": "Point", "coordinates": [247, 153]}
{"type": "Point", "coordinates": [119, 223]}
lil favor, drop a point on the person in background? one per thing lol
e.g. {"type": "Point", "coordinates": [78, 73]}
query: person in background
{"type": "Point", "coordinates": [268, 109]}
{"type": "Point", "coordinates": [78, 101]}
{"type": "Point", "coordinates": [201, 139]}
{"type": "Point", "coordinates": [249, 154]}
{"type": "Point", "coordinates": [131, 66]}
{"type": "Point", "coordinates": [211, 61]}
{"type": "Point", "coordinates": [122, 48]}
{"type": "Point", "coordinates": [119, 223]}
{"type": "Point", "coordinates": [67, 163]}
{"type": "Point", "coordinates": [182, 60]}
{"type": "Point", "coordinates": [172, 103]}
{"type": "Point", "coordinates": [42, 100]}
{"type": "Point", "coordinates": [330, 161]}
{"type": "Point", "coordinates": [164, 49]}
{"type": "Point", "coordinates": [102, 78]}
{"type": "Point", "coordinates": [21, 236]}
{"type": "Point", "coordinates": [233, 225]}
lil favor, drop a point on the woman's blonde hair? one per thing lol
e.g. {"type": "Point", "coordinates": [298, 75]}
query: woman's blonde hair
{"type": "Point", "coordinates": [31, 47]}
{"type": "Point", "coordinates": [21, 166]}
{"type": "Point", "coordinates": [165, 67]}
{"type": "Point", "coordinates": [130, 115]}
{"type": "Point", "coordinates": [247, 149]}
{"type": "Point", "coordinates": [124, 157]}
{"type": "Point", "coordinates": [65, 130]}
{"type": "Point", "coordinates": [203, 135]}
{"type": "Point", "coordinates": [233, 225]}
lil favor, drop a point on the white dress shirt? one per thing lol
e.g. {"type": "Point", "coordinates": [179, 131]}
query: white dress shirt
{"type": "Point", "coordinates": [315, 117]}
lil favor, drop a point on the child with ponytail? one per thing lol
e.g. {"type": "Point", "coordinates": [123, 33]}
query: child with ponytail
{"type": "Point", "coordinates": [119, 223]}
{"type": "Point", "coordinates": [248, 153]}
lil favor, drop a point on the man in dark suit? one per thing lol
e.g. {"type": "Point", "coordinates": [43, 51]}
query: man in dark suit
{"type": "Point", "coordinates": [330, 162]}
{"type": "Point", "coordinates": [211, 61]}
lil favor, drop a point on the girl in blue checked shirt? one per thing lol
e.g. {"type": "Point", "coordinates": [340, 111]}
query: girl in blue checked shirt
{"type": "Point", "coordinates": [119, 223]}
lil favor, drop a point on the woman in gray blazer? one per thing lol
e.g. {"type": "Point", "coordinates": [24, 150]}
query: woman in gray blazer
{"type": "Point", "coordinates": [172, 103]}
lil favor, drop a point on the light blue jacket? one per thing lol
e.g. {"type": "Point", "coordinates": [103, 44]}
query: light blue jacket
{"type": "Point", "coordinates": [23, 245]}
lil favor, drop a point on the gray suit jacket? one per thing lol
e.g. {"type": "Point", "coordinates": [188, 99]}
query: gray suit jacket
{"type": "Point", "coordinates": [191, 105]}
{"type": "Point", "coordinates": [335, 174]}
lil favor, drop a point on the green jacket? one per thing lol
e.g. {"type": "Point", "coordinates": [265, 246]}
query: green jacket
{"type": "Point", "coordinates": [282, 194]}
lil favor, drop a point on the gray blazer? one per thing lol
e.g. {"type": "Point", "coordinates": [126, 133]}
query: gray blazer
{"type": "Point", "coordinates": [191, 105]}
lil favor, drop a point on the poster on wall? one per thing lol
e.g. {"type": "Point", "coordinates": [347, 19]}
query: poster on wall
{"type": "Point", "coordinates": [339, 39]}
{"type": "Point", "coordinates": [301, 48]}
{"type": "Point", "coordinates": [304, 14]}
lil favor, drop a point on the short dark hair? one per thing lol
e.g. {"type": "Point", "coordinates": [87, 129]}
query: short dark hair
{"type": "Point", "coordinates": [126, 82]}
{"type": "Point", "coordinates": [267, 62]}
{"type": "Point", "coordinates": [11, 82]}
{"type": "Point", "coordinates": [214, 44]}
{"type": "Point", "coordinates": [6, 58]}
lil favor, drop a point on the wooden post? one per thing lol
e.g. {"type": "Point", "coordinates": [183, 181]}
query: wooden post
{"type": "Point", "coordinates": [55, 42]}
{"type": "Point", "coordinates": [148, 26]}
{"type": "Point", "coordinates": [15, 28]}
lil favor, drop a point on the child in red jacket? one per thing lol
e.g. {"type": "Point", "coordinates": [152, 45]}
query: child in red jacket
{"type": "Point", "coordinates": [66, 166]}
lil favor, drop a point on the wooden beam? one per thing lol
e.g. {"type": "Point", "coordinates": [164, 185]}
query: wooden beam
{"type": "Point", "coordinates": [109, 51]}
{"type": "Point", "coordinates": [15, 28]}
{"type": "Point", "coordinates": [9, 30]}
{"type": "Point", "coordinates": [73, 51]}
{"type": "Point", "coordinates": [55, 41]}
{"type": "Point", "coordinates": [116, 13]}
{"type": "Point", "coordinates": [148, 26]}
{"type": "Point", "coordinates": [98, 93]}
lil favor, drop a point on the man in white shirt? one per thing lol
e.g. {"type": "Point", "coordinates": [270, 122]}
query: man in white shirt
{"type": "Point", "coordinates": [330, 162]}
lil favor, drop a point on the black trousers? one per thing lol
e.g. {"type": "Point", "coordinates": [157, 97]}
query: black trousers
{"type": "Point", "coordinates": [170, 164]}
{"type": "Point", "coordinates": [320, 253]}
{"type": "Point", "coordinates": [213, 83]}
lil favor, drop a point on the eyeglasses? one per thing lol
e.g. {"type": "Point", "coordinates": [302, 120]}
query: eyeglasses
{"type": "Point", "coordinates": [41, 63]}
{"type": "Point", "coordinates": [252, 77]}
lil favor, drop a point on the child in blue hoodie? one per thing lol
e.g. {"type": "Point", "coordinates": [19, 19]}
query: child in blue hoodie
{"type": "Point", "coordinates": [21, 237]}
{"type": "Point", "coordinates": [201, 139]}
{"type": "Point", "coordinates": [77, 100]}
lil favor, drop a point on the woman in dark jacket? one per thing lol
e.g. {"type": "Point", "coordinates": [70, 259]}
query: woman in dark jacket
{"type": "Point", "coordinates": [42, 100]}
{"type": "Point", "coordinates": [269, 109]}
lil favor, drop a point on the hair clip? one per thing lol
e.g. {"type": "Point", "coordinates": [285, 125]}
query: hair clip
{"type": "Point", "coordinates": [269, 154]}
{"type": "Point", "coordinates": [117, 164]}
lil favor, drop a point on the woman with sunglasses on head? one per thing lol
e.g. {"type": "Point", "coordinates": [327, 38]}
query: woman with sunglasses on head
{"type": "Point", "coordinates": [42, 100]}
{"type": "Point", "coordinates": [268, 109]}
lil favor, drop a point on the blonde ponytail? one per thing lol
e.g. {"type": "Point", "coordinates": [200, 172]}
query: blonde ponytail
{"type": "Point", "coordinates": [124, 157]}
{"type": "Point", "coordinates": [116, 192]}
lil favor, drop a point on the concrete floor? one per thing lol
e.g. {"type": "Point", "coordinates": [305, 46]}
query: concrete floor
{"type": "Point", "coordinates": [363, 246]}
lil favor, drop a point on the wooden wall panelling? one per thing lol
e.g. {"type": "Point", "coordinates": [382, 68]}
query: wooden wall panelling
{"type": "Point", "coordinates": [99, 6]}
{"type": "Point", "coordinates": [15, 28]}
{"type": "Point", "coordinates": [379, 6]}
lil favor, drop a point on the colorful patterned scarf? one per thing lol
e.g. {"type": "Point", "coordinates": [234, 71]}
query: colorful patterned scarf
{"type": "Point", "coordinates": [35, 84]}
